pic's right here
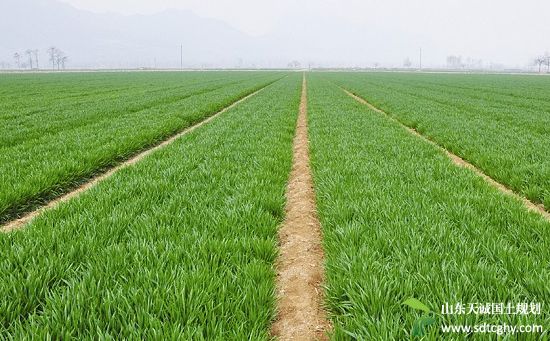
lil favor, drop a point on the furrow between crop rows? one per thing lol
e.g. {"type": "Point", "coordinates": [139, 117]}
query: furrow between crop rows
{"type": "Point", "coordinates": [401, 221]}
{"type": "Point", "coordinates": [457, 160]}
{"type": "Point", "coordinates": [505, 137]}
{"type": "Point", "coordinates": [21, 222]}
{"type": "Point", "coordinates": [38, 171]}
{"type": "Point", "coordinates": [179, 246]}
{"type": "Point", "coordinates": [300, 268]}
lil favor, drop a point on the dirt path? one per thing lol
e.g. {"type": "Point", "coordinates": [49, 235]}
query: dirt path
{"type": "Point", "coordinates": [457, 160]}
{"type": "Point", "coordinates": [300, 264]}
{"type": "Point", "coordinates": [25, 219]}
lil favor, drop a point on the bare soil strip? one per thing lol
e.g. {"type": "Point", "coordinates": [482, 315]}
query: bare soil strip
{"type": "Point", "coordinates": [25, 219]}
{"type": "Point", "coordinates": [457, 160]}
{"type": "Point", "coordinates": [300, 268]}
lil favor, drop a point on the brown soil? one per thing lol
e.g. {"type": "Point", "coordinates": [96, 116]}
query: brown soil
{"type": "Point", "coordinates": [300, 263]}
{"type": "Point", "coordinates": [24, 220]}
{"type": "Point", "coordinates": [457, 160]}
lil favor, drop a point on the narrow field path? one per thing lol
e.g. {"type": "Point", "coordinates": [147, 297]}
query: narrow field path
{"type": "Point", "coordinates": [25, 219]}
{"type": "Point", "coordinates": [300, 271]}
{"type": "Point", "coordinates": [457, 160]}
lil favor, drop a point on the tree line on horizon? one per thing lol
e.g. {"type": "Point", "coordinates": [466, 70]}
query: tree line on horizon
{"type": "Point", "coordinates": [57, 58]}
{"type": "Point", "coordinates": [543, 60]}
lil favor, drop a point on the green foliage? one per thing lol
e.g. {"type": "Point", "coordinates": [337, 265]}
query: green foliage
{"type": "Point", "coordinates": [400, 220]}
{"type": "Point", "coordinates": [182, 244]}
{"type": "Point", "coordinates": [178, 246]}
{"type": "Point", "coordinates": [500, 123]}
{"type": "Point", "coordinates": [70, 127]}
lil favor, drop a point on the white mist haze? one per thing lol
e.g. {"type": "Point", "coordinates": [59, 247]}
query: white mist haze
{"type": "Point", "coordinates": [245, 33]}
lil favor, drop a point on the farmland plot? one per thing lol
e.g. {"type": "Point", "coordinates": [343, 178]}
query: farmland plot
{"type": "Point", "coordinates": [183, 243]}
{"type": "Point", "coordinates": [27, 116]}
{"type": "Point", "coordinates": [400, 221]}
{"type": "Point", "coordinates": [48, 151]}
{"type": "Point", "coordinates": [180, 245]}
{"type": "Point", "coordinates": [501, 124]}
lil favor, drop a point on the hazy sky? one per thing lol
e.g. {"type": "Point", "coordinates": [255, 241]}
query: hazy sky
{"type": "Point", "coordinates": [328, 32]}
{"type": "Point", "coordinates": [259, 16]}
{"type": "Point", "coordinates": [507, 31]}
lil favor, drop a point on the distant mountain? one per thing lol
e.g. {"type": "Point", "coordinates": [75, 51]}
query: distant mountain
{"type": "Point", "coordinates": [383, 35]}
{"type": "Point", "coordinates": [128, 41]}
{"type": "Point", "coordinates": [114, 40]}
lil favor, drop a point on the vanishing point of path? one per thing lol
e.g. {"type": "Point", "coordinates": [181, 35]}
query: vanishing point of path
{"type": "Point", "coordinates": [300, 268]}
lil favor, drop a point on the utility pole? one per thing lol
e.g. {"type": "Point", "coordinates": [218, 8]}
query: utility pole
{"type": "Point", "coordinates": [181, 56]}
{"type": "Point", "coordinates": [420, 58]}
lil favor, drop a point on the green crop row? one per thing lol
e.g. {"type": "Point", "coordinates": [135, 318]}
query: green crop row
{"type": "Point", "coordinates": [45, 166]}
{"type": "Point", "coordinates": [36, 92]}
{"type": "Point", "coordinates": [179, 246]}
{"type": "Point", "coordinates": [37, 115]}
{"type": "Point", "coordinates": [400, 221]}
{"type": "Point", "coordinates": [499, 131]}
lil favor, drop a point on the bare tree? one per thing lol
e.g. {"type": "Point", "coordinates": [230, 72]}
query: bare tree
{"type": "Point", "coordinates": [454, 62]}
{"type": "Point", "coordinates": [407, 62]}
{"type": "Point", "coordinates": [547, 61]}
{"type": "Point", "coordinates": [60, 59]}
{"type": "Point", "coordinates": [29, 53]}
{"type": "Point", "coordinates": [36, 52]}
{"type": "Point", "coordinates": [64, 60]}
{"type": "Point", "coordinates": [17, 58]}
{"type": "Point", "coordinates": [52, 51]}
{"type": "Point", "coordinates": [539, 61]}
{"type": "Point", "coordinates": [294, 64]}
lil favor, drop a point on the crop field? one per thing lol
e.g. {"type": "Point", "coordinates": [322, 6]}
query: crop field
{"type": "Point", "coordinates": [400, 220]}
{"type": "Point", "coordinates": [500, 123]}
{"type": "Point", "coordinates": [57, 136]}
{"type": "Point", "coordinates": [186, 242]}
